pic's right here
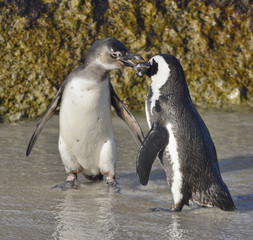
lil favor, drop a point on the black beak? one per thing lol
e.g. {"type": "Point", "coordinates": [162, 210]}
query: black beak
{"type": "Point", "coordinates": [142, 68]}
{"type": "Point", "coordinates": [127, 57]}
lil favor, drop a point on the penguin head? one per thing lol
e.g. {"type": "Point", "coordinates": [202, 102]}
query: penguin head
{"type": "Point", "coordinates": [109, 54]}
{"type": "Point", "coordinates": [157, 65]}
{"type": "Point", "coordinates": [163, 69]}
{"type": "Point", "coordinates": [165, 72]}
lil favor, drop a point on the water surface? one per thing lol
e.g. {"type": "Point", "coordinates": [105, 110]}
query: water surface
{"type": "Point", "coordinates": [31, 209]}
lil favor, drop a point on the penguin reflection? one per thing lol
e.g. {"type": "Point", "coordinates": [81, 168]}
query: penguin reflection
{"type": "Point", "coordinates": [86, 216]}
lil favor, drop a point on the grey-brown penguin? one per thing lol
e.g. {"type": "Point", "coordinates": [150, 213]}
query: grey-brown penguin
{"type": "Point", "coordinates": [86, 141]}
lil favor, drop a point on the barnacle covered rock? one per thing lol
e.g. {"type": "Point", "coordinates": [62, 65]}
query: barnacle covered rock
{"type": "Point", "coordinates": [43, 40]}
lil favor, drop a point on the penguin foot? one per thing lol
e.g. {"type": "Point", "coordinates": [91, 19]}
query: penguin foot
{"type": "Point", "coordinates": [111, 182]}
{"type": "Point", "coordinates": [67, 185]}
{"type": "Point", "coordinates": [175, 208]}
{"type": "Point", "coordinates": [172, 209]}
{"type": "Point", "coordinates": [159, 209]}
{"type": "Point", "coordinates": [71, 183]}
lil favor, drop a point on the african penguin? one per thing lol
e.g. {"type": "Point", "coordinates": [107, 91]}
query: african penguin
{"type": "Point", "coordinates": [86, 141]}
{"type": "Point", "coordinates": [179, 138]}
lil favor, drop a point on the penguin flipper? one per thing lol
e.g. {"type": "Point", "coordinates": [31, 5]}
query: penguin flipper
{"type": "Point", "coordinates": [43, 120]}
{"type": "Point", "coordinates": [154, 142]}
{"type": "Point", "coordinates": [124, 113]}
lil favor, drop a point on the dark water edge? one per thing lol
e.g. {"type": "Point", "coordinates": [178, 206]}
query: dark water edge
{"type": "Point", "coordinates": [31, 209]}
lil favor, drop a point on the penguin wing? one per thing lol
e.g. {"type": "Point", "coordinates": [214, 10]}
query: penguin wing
{"type": "Point", "coordinates": [43, 120]}
{"type": "Point", "coordinates": [154, 142]}
{"type": "Point", "coordinates": [124, 113]}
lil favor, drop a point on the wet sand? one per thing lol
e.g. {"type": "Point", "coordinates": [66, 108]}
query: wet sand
{"type": "Point", "coordinates": [31, 209]}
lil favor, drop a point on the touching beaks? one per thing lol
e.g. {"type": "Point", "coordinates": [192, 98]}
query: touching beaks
{"type": "Point", "coordinates": [142, 68]}
{"type": "Point", "coordinates": [127, 57]}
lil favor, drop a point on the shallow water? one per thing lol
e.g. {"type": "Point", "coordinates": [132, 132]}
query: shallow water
{"type": "Point", "coordinates": [31, 209]}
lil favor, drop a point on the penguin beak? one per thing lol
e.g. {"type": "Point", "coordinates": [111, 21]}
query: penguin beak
{"type": "Point", "coordinates": [142, 68]}
{"type": "Point", "coordinates": [127, 57]}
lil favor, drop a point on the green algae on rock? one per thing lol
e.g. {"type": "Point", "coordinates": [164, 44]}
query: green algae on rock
{"type": "Point", "coordinates": [43, 40]}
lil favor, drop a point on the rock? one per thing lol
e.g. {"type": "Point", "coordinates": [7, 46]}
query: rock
{"type": "Point", "coordinates": [43, 40]}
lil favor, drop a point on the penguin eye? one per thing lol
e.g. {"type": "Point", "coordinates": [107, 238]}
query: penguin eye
{"type": "Point", "coordinates": [116, 54]}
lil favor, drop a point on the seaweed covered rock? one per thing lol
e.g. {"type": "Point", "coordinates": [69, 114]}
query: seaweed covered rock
{"type": "Point", "coordinates": [43, 40]}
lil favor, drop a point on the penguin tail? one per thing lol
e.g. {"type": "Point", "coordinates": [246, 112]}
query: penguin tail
{"type": "Point", "coordinates": [220, 197]}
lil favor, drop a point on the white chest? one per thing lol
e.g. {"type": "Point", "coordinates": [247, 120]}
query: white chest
{"type": "Point", "coordinates": [85, 106]}
{"type": "Point", "coordinates": [172, 150]}
{"type": "Point", "coordinates": [86, 93]}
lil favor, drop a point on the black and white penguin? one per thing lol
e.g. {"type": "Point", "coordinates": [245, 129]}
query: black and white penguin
{"type": "Point", "coordinates": [179, 138]}
{"type": "Point", "coordinates": [86, 141]}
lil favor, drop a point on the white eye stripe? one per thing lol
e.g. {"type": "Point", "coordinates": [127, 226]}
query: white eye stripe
{"type": "Point", "coordinates": [159, 79]}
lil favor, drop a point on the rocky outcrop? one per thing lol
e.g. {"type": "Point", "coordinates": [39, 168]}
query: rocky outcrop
{"type": "Point", "coordinates": [43, 40]}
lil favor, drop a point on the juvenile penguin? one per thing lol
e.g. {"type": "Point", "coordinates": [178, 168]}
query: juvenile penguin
{"type": "Point", "coordinates": [179, 138]}
{"type": "Point", "coordinates": [86, 141]}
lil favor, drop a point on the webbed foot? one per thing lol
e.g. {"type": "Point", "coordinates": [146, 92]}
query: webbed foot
{"type": "Point", "coordinates": [172, 209]}
{"type": "Point", "coordinates": [110, 181]}
{"type": "Point", "coordinates": [71, 183]}
{"type": "Point", "coordinates": [175, 208]}
{"type": "Point", "coordinates": [159, 209]}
